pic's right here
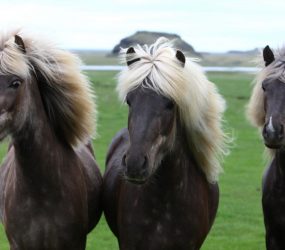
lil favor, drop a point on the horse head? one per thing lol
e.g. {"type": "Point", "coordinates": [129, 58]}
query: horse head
{"type": "Point", "coordinates": [274, 101]}
{"type": "Point", "coordinates": [42, 84]}
{"type": "Point", "coordinates": [151, 126]}
{"type": "Point", "coordinates": [11, 90]}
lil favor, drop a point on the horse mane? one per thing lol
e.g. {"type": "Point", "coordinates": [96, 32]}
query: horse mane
{"type": "Point", "coordinates": [275, 70]}
{"type": "Point", "coordinates": [199, 103]}
{"type": "Point", "coordinates": [66, 92]}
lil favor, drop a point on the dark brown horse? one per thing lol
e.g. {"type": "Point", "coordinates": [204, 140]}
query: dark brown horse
{"type": "Point", "coordinates": [159, 188]}
{"type": "Point", "coordinates": [50, 183]}
{"type": "Point", "coordinates": [267, 111]}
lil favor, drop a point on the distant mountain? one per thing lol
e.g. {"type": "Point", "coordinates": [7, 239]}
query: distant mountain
{"type": "Point", "coordinates": [147, 37]}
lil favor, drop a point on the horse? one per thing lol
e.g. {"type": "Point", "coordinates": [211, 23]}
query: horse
{"type": "Point", "coordinates": [160, 186]}
{"type": "Point", "coordinates": [50, 184]}
{"type": "Point", "coordinates": [266, 111]}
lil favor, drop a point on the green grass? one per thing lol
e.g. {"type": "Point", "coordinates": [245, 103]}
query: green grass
{"type": "Point", "coordinates": [239, 223]}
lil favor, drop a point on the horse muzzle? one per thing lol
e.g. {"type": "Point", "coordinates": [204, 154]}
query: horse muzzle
{"type": "Point", "coordinates": [273, 135]}
{"type": "Point", "coordinates": [136, 168]}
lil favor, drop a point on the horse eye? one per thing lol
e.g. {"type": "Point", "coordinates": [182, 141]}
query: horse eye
{"type": "Point", "coordinates": [263, 85]}
{"type": "Point", "coordinates": [170, 105]}
{"type": "Point", "coordinates": [128, 101]}
{"type": "Point", "coordinates": [15, 84]}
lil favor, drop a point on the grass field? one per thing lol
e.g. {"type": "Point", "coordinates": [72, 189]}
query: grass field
{"type": "Point", "coordinates": [239, 223]}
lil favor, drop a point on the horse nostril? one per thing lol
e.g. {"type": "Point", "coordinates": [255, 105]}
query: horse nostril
{"type": "Point", "coordinates": [124, 160]}
{"type": "Point", "coordinates": [281, 132]}
{"type": "Point", "coordinates": [273, 133]}
{"type": "Point", "coordinates": [144, 165]}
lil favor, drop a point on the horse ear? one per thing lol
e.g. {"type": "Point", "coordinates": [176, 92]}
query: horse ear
{"type": "Point", "coordinates": [19, 41]}
{"type": "Point", "coordinates": [131, 50]}
{"type": "Point", "coordinates": [180, 56]}
{"type": "Point", "coordinates": [268, 55]}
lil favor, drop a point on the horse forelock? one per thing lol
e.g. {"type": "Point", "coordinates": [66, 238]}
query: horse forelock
{"type": "Point", "coordinates": [65, 90]}
{"type": "Point", "coordinates": [200, 105]}
{"type": "Point", "coordinates": [12, 60]}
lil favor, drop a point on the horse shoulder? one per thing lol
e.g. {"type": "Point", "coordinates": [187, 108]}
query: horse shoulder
{"type": "Point", "coordinates": [270, 183]}
{"type": "Point", "coordinates": [273, 204]}
{"type": "Point", "coordinates": [113, 178]}
{"type": "Point", "coordinates": [117, 145]}
{"type": "Point", "coordinates": [208, 192]}
{"type": "Point", "coordinates": [273, 190]}
{"type": "Point", "coordinates": [90, 167]}
{"type": "Point", "coordinates": [117, 149]}
{"type": "Point", "coordinates": [5, 169]}
{"type": "Point", "coordinates": [93, 181]}
{"type": "Point", "coordinates": [213, 201]}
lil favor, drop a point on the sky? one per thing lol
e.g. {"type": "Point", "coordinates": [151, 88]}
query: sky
{"type": "Point", "coordinates": [208, 25]}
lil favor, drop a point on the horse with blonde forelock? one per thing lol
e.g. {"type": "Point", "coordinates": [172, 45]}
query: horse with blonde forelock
{"type": "Point", "coordinates": [50, 183]}
{"type": "Point", "coordinates": [160, 186]}
{"type": "Point", "coordinates": [266, 111]}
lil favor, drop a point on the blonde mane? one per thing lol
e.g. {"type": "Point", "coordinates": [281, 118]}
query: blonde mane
{"type": "Point", "coordinates": [65, 91]}
{"type": "Point", "coordinates": [275, 70]}
{"type": "Point", "coordinates": [200, 106]}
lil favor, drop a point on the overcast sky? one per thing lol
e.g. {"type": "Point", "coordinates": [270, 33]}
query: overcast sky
{"type": "Point", "coordinates": [208, 25]}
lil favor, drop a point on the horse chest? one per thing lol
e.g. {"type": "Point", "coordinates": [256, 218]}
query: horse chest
{"type": "Point", "coordinates": [161, 219]}
{"type": "Point", "coordinates": [42, 222]}
{"type": "Point", "coordinates": [273, 197]}
{"type": "Point", "coordinates": [273, 202]}
{"type": "Point", "coordinates": [49, 226]}
{"type": "Point", "coordinates": [274, 218]}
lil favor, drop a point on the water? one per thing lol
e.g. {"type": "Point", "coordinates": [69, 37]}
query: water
{"type": "Point", "coordinates": [207, 69]}
{"type": "Point", "coordinates": [232, 69]}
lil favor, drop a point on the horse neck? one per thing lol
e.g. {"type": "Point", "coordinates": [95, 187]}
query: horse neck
{"type": "Point", "coordinates": [37, 150]}
{"type": "Point", "coordinates": [279, 160]}
{"type": "Point", "coordinates": [179, 164]}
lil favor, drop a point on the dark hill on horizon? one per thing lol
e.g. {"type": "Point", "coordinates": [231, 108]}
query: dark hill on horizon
{"type": "Point", "coordinates": [147, 37]}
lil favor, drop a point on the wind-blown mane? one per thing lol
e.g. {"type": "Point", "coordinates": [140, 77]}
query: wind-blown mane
{"type": "Point", "coordinates": [65, 91]}
{"type": "Point", "coordinates": [200, 106]}
{"type": "Point", "coordinates": [275, 70]}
